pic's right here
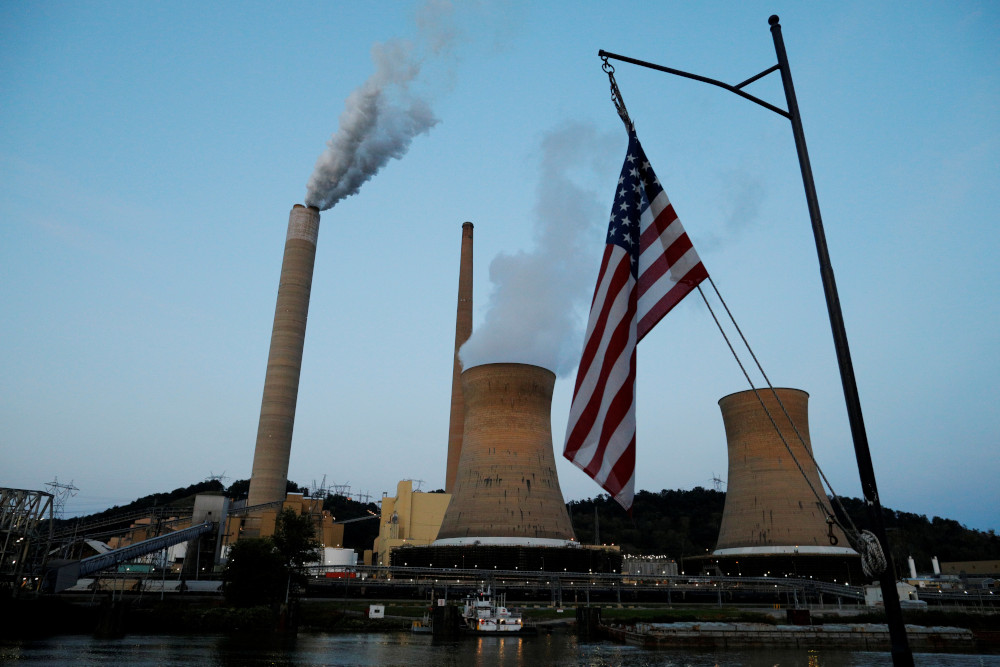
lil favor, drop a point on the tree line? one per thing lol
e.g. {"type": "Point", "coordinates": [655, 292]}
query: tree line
{"type": "Point", "coordinates": [679, 524]}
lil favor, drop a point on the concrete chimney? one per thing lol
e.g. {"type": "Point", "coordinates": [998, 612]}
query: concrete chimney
{"type": "Point", "coordinates": [770, 508]}
{"type": "Point", "coordinates": [913, 567]}
{"type": "Point", "coordinates": [506, 491]}
{"type": "Point", "coordinates": [936, 565]}
{"type": "Point", "coordinates": [284, 360]}
{"type": "Point", "coordinates": [463, 329]}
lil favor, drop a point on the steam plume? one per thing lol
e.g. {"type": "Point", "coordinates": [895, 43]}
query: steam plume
{"type": "Point", "coordinates": [382, 116]}
{"type": "Point", "coordinates": [536, 309]}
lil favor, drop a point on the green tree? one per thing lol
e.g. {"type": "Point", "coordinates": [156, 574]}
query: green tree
{"type": "Point", "coordinates": [255, 574]}
{"type": "Point", "coordinates": [262, 571]}
{"type": "Point", "coordinates": [295, 539]}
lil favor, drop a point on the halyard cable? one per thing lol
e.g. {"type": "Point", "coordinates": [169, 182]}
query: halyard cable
{"type": "Point", "coordinates": [757, 394]}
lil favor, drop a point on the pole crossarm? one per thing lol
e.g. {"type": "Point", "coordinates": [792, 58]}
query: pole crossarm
{"type": "Point", "coordinates": [737, 89]}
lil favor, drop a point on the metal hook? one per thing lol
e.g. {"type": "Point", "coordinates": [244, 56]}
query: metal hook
{"type": "Point", "coordinates": [616, 96]}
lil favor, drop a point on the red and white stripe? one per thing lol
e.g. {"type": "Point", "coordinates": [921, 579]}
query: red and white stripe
{"type": "Point", "coordinates": [669, 267]}
{"type": "Point", "coordinates": [600, 437]}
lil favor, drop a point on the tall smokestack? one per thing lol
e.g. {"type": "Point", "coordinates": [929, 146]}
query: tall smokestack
{"type": "Point", "coordinates": [506, 490]}
{"type": "Point", "coordinates": [463, 329]}
{"type": "Point", "coordinates": [284, 360]}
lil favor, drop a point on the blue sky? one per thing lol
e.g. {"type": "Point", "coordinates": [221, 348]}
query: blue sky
{"type": "Point", "coordinates": [151, 152]}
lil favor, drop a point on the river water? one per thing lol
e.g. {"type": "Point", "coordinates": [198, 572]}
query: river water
{"type": "Point", "coordinates": [400, 648]}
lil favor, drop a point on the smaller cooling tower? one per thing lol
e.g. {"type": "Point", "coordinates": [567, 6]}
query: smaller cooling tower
{"type": "Point", "coordinates": [770, 508]}
{"type": "Point", "coordinates": [506, 491]}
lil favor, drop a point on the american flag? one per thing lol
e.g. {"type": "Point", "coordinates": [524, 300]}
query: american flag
{"type": "Point", "coordinates": [649, 265]}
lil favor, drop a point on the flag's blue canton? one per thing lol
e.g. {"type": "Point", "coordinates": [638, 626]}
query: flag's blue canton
{"type": "Point", "coordinates": [637, 184]}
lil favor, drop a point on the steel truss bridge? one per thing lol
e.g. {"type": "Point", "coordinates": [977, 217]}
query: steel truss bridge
{"type": "Point", "coordinates": [28, 541]}
{"type": "Point", "coordinates": [25, 531]}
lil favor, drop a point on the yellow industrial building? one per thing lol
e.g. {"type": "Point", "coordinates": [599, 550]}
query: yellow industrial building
{"type": "Point", "coordinates": [412, 518]}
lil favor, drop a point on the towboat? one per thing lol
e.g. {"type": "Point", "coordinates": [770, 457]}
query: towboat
{"type": "Point", "coordinates": [484, 613]}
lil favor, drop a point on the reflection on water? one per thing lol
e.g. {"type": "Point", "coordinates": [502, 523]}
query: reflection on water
{"type": "Point", "coordinates": [313, 649]}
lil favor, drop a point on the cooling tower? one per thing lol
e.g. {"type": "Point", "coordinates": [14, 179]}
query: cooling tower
{"type": "Point", "coordinates": [770, 508]}
{"type": "Point", "coordinates": [463, 329]}
{"type": "Point", "coordinates": [284, 360]}
{"type": "Point", "coordinates": [506, 491]}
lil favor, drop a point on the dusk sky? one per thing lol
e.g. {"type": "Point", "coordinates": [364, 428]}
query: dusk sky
{"type": "Point", "coordinates": [150, 154]}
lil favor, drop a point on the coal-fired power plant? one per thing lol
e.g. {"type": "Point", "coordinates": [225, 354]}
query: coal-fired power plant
{"type": "Point", "coordinates": [463, 329]}
{"type": "Point", "coordinates": [773, 521]}
{"type": "Point", "coordinates": [268, 478]}
{"type": "Point", "coordinates": [506, 489]}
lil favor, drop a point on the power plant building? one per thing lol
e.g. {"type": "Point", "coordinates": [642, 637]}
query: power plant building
{"type": "Point", "coordinates": [411, 518]}
{"type": "Point", "coordinates": [261, 522]}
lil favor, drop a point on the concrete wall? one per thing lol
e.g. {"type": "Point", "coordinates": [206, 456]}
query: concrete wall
{"type": "Point", "coordinates": [977, 568]}
{"type": "Point", "coordinates": [506, 486]}
{"type": "Point", "coordinates": [768, 500]}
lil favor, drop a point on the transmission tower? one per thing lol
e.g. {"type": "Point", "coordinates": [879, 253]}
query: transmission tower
{"type": "Point", "coordinates": [320, 490]}
{"type": "Point", "coordinates": [60, 494]}
{"type": "Point", "coordinates": [717, 482]}
{"type": "Point", "coordinates": [212, 477]}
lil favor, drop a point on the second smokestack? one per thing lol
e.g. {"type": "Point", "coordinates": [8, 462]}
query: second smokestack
{"type": "Point", "coordinates": [284, 360]}
{"type": "Point", "coordinates": [463, 329]}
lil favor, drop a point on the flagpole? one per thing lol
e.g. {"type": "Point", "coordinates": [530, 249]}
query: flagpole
{"type": "Point", "coordinates": [901, 654]}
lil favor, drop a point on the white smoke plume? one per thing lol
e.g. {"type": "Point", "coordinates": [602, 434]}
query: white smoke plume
{"type": "Point", "coordinates": [383, 115]}
{"type": "Point", "coordinates": [538, 303]}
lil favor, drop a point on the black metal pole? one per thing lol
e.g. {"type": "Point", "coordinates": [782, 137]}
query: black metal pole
{"type": "Point", "coordinates": [901, 654]}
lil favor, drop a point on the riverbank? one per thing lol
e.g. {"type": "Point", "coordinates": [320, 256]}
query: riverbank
{"type": "Point", "coordinates": [927, 631]}
{"type": "Point", "coordinates": [55, 615]}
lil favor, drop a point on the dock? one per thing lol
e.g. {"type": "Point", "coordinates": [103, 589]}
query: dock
{"type": "Point", "coordinates": [860, 636]}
